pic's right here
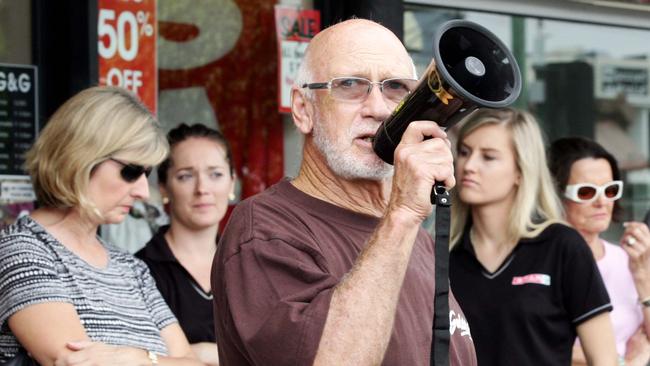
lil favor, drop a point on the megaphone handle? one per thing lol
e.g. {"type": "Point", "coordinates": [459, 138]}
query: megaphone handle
{"type": "Point", "coordinates": [440, 327]}
{"type": "Point", "coordinates": [439, 195]}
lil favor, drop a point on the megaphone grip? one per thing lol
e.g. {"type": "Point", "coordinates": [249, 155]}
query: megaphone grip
{"type": "Point", "coordinates": [439, 195]}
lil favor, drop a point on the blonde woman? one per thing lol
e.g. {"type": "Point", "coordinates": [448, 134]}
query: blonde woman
{"type": "Point", "coordinates": [67, 297]}
{"type": "Point", "coordinates": [523, 279]}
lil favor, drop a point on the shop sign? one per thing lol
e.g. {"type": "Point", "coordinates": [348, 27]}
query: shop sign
{"type": "Point", "coordinates": [127, 47]}
{"type": "Point", "coordinates": [623, 77]}
{"type": "Point", "coordinates": [16, 190]}
{"type": "Point", "coordinates": [18, 117]}
{"type": "Point", "coordinates": [295, 27]}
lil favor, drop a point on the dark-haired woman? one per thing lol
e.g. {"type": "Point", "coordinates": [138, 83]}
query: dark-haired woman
{"type": "Point", "coordinates": [589, 181]}
{"type": "Point", "coordinates": [196, 181]}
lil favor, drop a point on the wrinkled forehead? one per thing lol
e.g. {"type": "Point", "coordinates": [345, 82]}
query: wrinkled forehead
{"type": "Point", "coordinates": [365, 50]}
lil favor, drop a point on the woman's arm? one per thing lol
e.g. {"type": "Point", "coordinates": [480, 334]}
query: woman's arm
{"type": "Point", "coordinates": [578, 356]}
{"type": "Point", "coordinates": [597, 339]}
{"type": "Point", "coordinates": [206, 352]}
{"type": "Point", "coordinates": [52, 333]}
{"type": "Point", "coordinates": [638, 349]}
{"type": "Point", "coordinates": [636, 243]}
{"type": "Point", "coordinates": [91, 353]}
{"type": "Point", "coordinates": [44, 329]}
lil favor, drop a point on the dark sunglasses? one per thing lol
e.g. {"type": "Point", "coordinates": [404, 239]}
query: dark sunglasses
{"type": "Point", "coordinates": [132, 172]}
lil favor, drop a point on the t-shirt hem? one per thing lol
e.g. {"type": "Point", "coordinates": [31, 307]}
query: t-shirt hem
{"type": "Point", "coordinates": [167, 322]}
{"type": "Point", "coordinates": [592, 313]}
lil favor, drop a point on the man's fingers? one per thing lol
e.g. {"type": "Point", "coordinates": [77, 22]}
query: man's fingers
{"type": "Point", "coordinates": [420, 130]}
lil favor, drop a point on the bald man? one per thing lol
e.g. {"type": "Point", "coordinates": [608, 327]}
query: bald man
{"type": "Point", "coordinates": [332, 267]}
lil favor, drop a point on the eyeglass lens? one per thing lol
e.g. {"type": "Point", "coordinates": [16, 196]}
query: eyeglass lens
{"type": "Point", "coordinates": [358, 88]}
{"type": "Point", "coordinates": [586, 193]}
{"type": "Point", "coordinates": [132, 172]}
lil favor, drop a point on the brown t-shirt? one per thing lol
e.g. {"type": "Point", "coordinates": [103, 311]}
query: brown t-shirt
{"type": "Point", "coordinates": [279, 259]}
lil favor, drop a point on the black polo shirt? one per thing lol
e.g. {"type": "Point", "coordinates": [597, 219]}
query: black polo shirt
{"type": "Point", "coordinates": [526, 312]}
{"type": "Point", "coordinates": [187, 300]}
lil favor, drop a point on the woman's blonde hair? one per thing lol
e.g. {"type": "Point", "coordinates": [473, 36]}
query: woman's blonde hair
{"type": "Point", "coordinates": [90, 127]}
{"type": "Point", "coordinates": [536, 205]}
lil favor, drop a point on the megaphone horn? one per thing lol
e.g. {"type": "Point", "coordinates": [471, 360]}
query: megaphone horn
{"type": "Point", "coordinates": [471, 68]}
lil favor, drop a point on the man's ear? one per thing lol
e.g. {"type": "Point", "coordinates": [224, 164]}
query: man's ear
{"type": "Point", "coordinates": [301, 111]}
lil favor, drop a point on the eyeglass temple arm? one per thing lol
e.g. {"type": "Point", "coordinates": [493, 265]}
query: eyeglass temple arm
{"type": "Point", "coordinates": [316, 85]}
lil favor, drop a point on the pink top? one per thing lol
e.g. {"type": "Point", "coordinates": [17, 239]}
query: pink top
{"type": "Point", "coordinates": [627, 315]}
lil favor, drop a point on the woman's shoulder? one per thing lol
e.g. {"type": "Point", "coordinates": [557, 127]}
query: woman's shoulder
{"type": "Point", "coordinates": [24, 235]}
{"type": "Point", "coordinates": [24, 225]}
{"type": "Point", "coordinates": [563, 237]}
{"type": "Point", "coordinates": [557, 232]}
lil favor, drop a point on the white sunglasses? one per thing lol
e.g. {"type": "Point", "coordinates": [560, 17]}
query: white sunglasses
{"type": "Point", "coordinates": [586, 192]}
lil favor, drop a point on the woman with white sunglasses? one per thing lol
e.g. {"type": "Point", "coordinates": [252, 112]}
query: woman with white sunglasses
{"type": "Point", "coordinates": [588, 179]}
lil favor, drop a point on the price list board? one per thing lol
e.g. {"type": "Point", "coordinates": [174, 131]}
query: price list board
{"type": "Point", "coordinates": [18, 117]}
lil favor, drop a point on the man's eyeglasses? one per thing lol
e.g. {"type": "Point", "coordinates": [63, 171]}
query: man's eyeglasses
{"type": "Point", "coordinates": [132, 172]}
{"type": "Point", "coordinates": [585, 192]}
{"type": "Point", "coordinates": [350, 88]}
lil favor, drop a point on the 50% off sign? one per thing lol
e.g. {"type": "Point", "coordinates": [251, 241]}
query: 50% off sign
{"type": "Point", "coordinates": [127, 47]}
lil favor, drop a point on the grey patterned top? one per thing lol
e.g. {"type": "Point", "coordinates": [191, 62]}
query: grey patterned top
{"type": "Point", "coordinates": [118, 305]}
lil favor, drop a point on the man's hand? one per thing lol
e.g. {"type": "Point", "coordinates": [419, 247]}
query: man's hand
{"type": "Point", "coordinates": [422, 158]}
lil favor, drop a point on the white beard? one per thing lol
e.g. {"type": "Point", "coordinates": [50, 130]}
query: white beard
{"type": "Point", "coordinates": [342, 162]}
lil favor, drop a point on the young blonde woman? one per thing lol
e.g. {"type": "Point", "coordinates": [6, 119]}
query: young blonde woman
{"type": "Point", "coordinates": [521, 277]}
{"type": "Point", "coordinates": [66, 296]}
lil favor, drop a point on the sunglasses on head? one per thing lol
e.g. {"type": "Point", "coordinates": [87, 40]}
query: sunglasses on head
{"type": "Point", "coordinates": [586, 192]}
{"type": "Point", "coordinates": [132, 172]}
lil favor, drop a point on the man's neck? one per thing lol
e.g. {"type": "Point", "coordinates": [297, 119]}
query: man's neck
{"type": "Point", "coordinates": [359, 195]}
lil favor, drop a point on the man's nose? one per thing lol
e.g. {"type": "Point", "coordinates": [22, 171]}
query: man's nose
{"type": "Point", "coordinates": [376, 104]}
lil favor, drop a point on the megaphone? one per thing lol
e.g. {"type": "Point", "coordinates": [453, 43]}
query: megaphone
{"type": "Point", "coordinates": [471, 68]}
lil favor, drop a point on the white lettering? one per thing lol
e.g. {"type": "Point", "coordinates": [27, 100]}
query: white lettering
{"type": "Point", "coordinates": [459, 323]}
{"type": "Point", "coordinates": [24, 83]}
{"type": "Point", "coordinates": [128, 79]}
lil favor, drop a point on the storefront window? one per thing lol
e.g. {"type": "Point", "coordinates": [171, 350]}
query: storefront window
{"type": "Point", "coordinates": [15, 32]}
{"type": "Point", "coordinates": [579, 79]}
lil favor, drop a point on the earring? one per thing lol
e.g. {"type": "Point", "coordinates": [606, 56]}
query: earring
{"type": "Point", "coordinates": [231, 196]}
{"type": "Point", "coordinates": [165, 200]}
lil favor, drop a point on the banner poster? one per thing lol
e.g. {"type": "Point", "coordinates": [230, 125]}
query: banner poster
{"type": "Point", "coordinates": [295, 27]}
{"type": "Point", "coordinates": [127, 31]}
{"type": "Point", "coordinates": [220, 68]}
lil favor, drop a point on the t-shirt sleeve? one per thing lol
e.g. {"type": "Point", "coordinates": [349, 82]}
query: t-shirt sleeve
{"type": "Point", "coordinates": [278, 295]}
{"type": "Point", "coordinates": [29, 274]}
{"type": "Point", "coordinates": [161, 314]}
{"type": "Point", "coordinates": [584, 291]}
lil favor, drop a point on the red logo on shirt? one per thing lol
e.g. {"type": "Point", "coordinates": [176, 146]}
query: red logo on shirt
{"type": "Point", "coordinates": [538, 278]}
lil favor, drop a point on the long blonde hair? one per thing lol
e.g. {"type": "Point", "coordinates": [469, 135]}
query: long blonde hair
{"type": "Point", "coordinates": [90, 127]}
{"type": "Point", "coordinates": [536, 204]}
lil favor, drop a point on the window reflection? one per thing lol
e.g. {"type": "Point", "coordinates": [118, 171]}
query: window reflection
{"type": "Point", "coordinates": [579, 79]}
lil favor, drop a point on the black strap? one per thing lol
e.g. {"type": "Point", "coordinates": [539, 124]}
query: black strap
{"type": "Point", "coordinates": [440, 341]}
